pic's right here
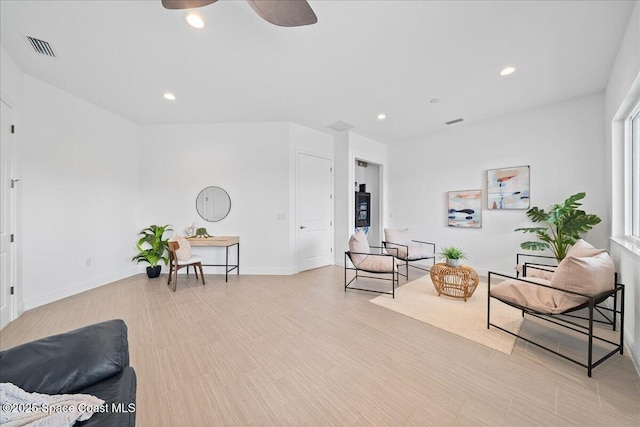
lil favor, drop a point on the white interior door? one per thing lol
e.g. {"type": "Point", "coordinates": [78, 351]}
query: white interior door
{"type": "Point", "coordinates": [314, 206]}
{"type": "Point", "coordinates": [7, 209]}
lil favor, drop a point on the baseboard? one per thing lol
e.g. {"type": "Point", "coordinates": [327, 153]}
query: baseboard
{"type": "Point", "coordinates": [267, 271]}
{"type": "Point", "coordinates": [64, 293]}
{"type": "Point", "coordinates": [630, 347]}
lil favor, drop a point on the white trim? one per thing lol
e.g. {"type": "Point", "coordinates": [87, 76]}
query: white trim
{"type": "Point", "coordinates": [629, 243]}
{"type": "Point", "coordinates": [64, 293]}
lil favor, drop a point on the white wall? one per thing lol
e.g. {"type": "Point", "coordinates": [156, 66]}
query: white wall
{"type": "Point", "coordinates": [623, 91]}
{"type": "Point", "coordinates": [563, 144]}
{"type": "Point", "coordinates": [80, 188]}
{"type": "Point", "coordinates": [253, 162]}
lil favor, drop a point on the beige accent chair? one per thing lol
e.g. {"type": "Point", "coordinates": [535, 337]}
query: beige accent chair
{"type": "Point", "coordinates": [360, 259]}
{"type": "Point", "coordinates": [583, 281]}
{"type": "Point", "coordinates": [180, 257]}
{"type": "Point", "coordinates": [400, 244]}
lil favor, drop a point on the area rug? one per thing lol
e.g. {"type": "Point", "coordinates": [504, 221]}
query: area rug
{"type": "Point", "coordinates": [419, 300]}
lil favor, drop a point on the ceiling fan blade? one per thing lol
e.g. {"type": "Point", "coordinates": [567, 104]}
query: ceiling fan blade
{"type": "Point", "coordinates": [185, 4]}
{"type": "Point", "coordinates": [285, 13]}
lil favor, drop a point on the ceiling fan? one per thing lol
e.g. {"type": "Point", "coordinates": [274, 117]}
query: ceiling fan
{"type": "Point", "coordinates": [284, 13]}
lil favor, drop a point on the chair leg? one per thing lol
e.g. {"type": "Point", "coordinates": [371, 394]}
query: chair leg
{"type": "Point", "coordinates": [170, 273]}
{"type": "Point", "coordinates": [201, 272]}
{"type": "Point", "coordinates": [175, 279]}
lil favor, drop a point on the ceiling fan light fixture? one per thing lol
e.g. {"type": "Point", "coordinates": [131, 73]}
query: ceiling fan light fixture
{"type": "Point", "coordinates": [507, 70]}
{"type": "Point", "coordinates": [169, 96]}
{"type": "Point", "coordinates": [195, 20]}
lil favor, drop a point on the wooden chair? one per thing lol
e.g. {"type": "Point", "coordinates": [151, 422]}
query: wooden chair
{"type": "Point", "coordinates": [176, 264]}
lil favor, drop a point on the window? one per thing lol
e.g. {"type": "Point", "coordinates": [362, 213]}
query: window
{"type": "Point", "coordinates": [633, 126]}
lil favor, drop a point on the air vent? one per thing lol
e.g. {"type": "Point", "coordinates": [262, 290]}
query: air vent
{"type": "Point", "coordinates": [41, 46]}
{"type": "Point", "coordinates": [340, 126]}
{"type": "Point", "coordinates": [455, 121]}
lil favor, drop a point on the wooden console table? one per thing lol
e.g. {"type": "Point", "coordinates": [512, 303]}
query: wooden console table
{"type": "Point", "coordinates": [220, 242]}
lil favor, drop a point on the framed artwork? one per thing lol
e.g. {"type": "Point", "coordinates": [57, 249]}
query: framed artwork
{"type": "Point", "coordinates": [508, 188]}
{"type": "Point", "coordinates": [465, 209]}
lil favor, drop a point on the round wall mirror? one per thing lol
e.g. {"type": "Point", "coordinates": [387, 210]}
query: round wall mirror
{"type": "Point", "coordinates": [213, 204]}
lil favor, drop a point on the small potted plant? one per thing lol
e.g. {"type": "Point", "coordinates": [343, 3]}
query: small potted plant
{"type": "Point", "coordinates": [152, 248]}
{"type": "Point", "coordinates": [453, 255]}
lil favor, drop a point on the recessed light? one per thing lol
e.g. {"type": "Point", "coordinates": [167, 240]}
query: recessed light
{"type": "Point", "coordinates": [382, 116]}
{"type": "Point", "coordinates": [169, 96]}
{"type": "Point", "coordinates": [506, 71]}
{"type": "Point", "coordinates": [195, 20]}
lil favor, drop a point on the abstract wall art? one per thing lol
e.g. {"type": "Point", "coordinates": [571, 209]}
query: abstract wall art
{"type": "Point", "coordinates": [508, 188]}
{"type": "Point", "coordinates": [465, 209]}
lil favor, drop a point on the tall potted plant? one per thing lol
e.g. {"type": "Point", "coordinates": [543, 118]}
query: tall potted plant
{"type": "Point", "coordinates": [152, 248]}
{"type": "Point", "coordinates": [563, 225]}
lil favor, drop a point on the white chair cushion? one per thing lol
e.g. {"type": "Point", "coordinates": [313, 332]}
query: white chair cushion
{"type": "Point", "coordinates": [184, 251]}
{"type": "Point", "coordinates": [417, 252]}
{"type": "Point", "coordinates": [359, 243]}
{"type": "Point", "coordinates": [378, 264]}
{"type": "Point", "coordinates": [192, 260]}
{"type": "Point", "coordinates": [537, 298]}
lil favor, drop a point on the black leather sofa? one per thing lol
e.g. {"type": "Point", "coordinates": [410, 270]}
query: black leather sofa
{"type": "Point", "coordinates": [90, 360]}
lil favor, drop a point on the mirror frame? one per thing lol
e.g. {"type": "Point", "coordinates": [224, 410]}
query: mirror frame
{"type": "Point", "coordinates": [228, 198]}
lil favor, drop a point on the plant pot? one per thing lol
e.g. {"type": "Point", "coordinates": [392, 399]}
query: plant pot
{"type": "Point", "coordinates": [153, 272]}
{"type": "Point", "coordinates": [453, 262]}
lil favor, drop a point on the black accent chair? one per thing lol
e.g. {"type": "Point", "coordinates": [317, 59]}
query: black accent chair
{"type": "Point", "coordinates": [363, 260]}
{"type": "Point", "coordinates": [398, 243]}
{"type": "Point", "coordinates": [572, 318]}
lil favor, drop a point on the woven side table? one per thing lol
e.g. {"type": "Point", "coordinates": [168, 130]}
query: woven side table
{"type": "Point", "coordinates": [457, 282]}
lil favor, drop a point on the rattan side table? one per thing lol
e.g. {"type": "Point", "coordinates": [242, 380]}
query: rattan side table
{"type": "Point", "coordinates": [457, 282]}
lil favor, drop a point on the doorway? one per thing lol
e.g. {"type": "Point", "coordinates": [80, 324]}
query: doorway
{"type": "Point", "coordinates": [367, 178]}
{"type": "Point", "coordinates": [314, 211]}
{"type": "Point", "coordinates": [8, 185]}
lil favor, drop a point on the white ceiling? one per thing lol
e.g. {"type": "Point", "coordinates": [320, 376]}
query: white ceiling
{"type": "Point", "coordinates": [361, 58]}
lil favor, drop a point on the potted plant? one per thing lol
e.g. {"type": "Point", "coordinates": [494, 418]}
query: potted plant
{"type": "Point", "coordinates": [563, 225]}
{"type": "Point", "coordinates": [452, 255]}
{"type": "Point", "coordinates": [152, 248]}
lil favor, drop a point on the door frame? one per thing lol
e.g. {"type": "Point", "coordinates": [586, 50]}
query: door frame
{"type": "Point", "coordinates": [13, 219]}
{"type": "Point", "coordinates": [296, 222]}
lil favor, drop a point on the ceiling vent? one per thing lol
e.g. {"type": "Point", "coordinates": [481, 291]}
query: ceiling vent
{"type": "Point", "coordinates": [455, 121]}
{"type": "Point", "coordinates": [41, 46]}
{"type": "Point", "coordinates": [340, 126]}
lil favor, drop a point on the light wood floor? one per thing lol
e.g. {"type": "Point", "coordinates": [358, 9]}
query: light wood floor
{"type": "Point", "coordinates": [298, 350]}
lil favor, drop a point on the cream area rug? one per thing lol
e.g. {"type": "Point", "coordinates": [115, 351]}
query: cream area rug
{"type": "Point", "coordinates": [419, 300]}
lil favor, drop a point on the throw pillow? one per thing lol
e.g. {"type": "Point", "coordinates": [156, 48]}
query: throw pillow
{"type": "Point", "coordinates": [359, 243]}
{"type": "Point", "coordinates": [582, 248]}
{"type": "Point", "coordinates": [589, 275]}
{"type": "Point", "coordinates": [184, 251]}
{"type": "Point", "coordinates": [401, 239]}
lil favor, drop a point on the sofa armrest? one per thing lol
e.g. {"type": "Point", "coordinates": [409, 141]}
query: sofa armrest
{"type": "Point", "coordinates": [67, 362]}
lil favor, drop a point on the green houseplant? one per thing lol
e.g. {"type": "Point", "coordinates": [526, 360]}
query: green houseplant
{"type": "Point", "coordinates": [152, 248]}
{"type": "Point", "coordinates": [452, 255]}
{"type": "Point", "coordinates": [563, 225]}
